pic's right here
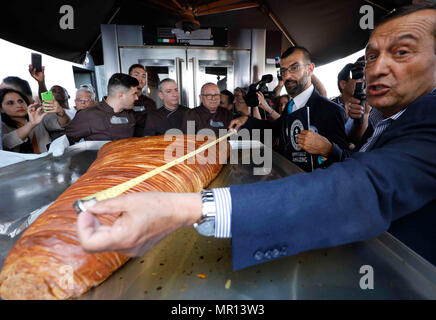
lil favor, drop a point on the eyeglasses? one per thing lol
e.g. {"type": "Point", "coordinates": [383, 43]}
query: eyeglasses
{"type": "Point", "coordinates": [212, 96]}
{"type": "Point", "coordinates": [292, 68]}
{"type": "Point", "coordinates": [83, 99]}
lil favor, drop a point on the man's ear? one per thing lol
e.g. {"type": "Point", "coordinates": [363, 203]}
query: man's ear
{"type": "Point", "coordinates": [311, 67]}
{"type": "Point", "coordinates": [160, 95]}
{"type": "Point", "coordinates": [120, 95]}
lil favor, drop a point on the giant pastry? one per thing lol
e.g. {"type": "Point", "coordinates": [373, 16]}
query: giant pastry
{"type": "Point", "coordinates": [47, 262]}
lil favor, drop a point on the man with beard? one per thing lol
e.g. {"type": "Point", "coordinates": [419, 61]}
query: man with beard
{"type": "Point", "coordinates": [326, 117]}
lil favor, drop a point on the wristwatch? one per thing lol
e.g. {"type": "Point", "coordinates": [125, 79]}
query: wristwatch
{"type": "Point", "coordinates": [206, 225]}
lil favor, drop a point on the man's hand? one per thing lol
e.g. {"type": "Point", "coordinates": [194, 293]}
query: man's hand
{"type": "Point", "coordinates": [237, 123]}
{"type": "Point", "coordinates": [355, 110]}
{"type": "Point", "coordinates": [143, 220]}
{"type": "Point", "coordinates": [314, 143]}
{"type": "Point", "coordinates": [38, 76]}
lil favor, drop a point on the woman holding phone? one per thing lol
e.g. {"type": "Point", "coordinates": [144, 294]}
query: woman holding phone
{"type": "Point", "coordinates": [24, 128]}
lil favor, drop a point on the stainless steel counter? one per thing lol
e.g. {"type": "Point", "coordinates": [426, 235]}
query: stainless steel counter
{"type": "Point", "coordinates": [188, 266]}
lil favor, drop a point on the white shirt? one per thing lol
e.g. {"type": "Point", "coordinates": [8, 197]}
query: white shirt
{"type": "Point", "coordinates": [301, 100]}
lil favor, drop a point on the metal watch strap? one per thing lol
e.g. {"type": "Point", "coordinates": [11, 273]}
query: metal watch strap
{"type": "Point", "coordinates": [206, 225]}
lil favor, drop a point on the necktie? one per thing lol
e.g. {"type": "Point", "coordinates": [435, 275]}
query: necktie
{"type": "Point", "coordinates": [290, 106]}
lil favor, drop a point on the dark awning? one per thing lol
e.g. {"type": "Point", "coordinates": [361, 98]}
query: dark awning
{"type": "Point", "coordinates": [328, 28]}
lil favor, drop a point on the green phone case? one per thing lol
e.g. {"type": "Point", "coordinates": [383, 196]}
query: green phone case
{"type": "Point", "coordinates": [48, 95]}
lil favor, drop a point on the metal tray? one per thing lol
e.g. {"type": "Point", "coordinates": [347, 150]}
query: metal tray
{"type": "Point", "coordinates": [188, 266]}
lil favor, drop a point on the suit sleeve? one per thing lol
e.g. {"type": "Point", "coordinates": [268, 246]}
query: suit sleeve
{"type": "Point", "coordinates": [351, 201]}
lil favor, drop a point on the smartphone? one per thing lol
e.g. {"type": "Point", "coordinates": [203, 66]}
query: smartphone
{"type": "Point", "coordinates": [37, 61]}
{"type": "Point", "coordinates": [48, 95]}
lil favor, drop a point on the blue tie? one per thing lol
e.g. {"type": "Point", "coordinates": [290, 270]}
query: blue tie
{"type": "Point", "coordinates": [290, 106]}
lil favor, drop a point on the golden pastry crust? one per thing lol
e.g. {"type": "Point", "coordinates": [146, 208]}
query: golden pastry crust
{"type": "Point", "coordinates": [48, 254]}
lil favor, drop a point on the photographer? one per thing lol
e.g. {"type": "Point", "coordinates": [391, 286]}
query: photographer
{"type": "Point", "coordinates": [264, 105]}
{"type": "Point", "coordinates": [356, 115]}
{"type": "Point", "coordinates": [326, 117]}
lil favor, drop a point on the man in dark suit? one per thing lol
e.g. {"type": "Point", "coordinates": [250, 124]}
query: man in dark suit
{"type": "Point", "coordinates": [326, 118]}
{"type": "Point", "coordinates": [390, 185]}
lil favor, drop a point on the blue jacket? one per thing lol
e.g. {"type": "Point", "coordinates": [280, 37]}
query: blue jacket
{"type": "Point", "coordinates": [391, 187]}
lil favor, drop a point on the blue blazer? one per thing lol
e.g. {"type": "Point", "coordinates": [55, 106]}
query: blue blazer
{"type": "Point", "coordinates": [391, 187]}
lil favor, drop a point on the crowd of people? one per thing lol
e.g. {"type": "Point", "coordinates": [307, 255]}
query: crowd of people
{"type": "Point", "coordinates": [385, 181]}
{"type": "Point", "coordinates": [29, 125]}
{"type": "Point", "coordinates": [341, 129]}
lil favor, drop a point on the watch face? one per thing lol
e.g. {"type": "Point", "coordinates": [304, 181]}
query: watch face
{"type": "Point", "coordinates": [207, 228]}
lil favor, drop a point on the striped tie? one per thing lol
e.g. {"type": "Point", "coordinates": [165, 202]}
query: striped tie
{"type": "Point", "coordinates": [290, 106]}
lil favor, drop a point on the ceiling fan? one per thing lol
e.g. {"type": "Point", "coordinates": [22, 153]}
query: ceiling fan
{"type": "Point", "coordinates": [189, 10]}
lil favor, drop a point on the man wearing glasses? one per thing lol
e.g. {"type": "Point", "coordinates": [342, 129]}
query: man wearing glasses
{"type": "Point", "coordinates": [85, 97]}
{"type": "Point", "coordinates": [208, 115]}
{"type": "Point", "coordinates": [326, 118]}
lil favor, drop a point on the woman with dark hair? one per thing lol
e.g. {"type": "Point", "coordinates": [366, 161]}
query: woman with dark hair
{"type": "Point", "coordinates": [23, 128]}
{"type": "Point", "coordinates": [18, 84]}
{"type": "Point", "coordinates": [281, 102]}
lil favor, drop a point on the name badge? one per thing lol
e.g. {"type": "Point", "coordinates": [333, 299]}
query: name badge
{"type": "Point", "coordinates": [119, 120]}
{"type": "Point", "coordinates": [217, 124]}
{"type": "Point", "coordinates": [138, 108]}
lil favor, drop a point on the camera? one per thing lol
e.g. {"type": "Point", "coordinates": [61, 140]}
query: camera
{"type": "Point", "coordinates": [251, 97]}
{"type": "Point", "coordinates": [357, 73]}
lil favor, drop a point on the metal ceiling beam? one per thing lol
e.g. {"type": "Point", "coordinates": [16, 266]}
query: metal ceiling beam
{"type": "Point", "coordinates": [108, 22]}
{"type": "Point", "coordinates": [264, 7]}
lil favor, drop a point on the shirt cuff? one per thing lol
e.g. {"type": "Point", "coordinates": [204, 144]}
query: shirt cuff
{"type": "Point", "coordinates": [223, 219]}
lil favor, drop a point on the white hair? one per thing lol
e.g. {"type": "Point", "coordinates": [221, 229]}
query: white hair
{"type": "Point", "coordinates": [86, 90]}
